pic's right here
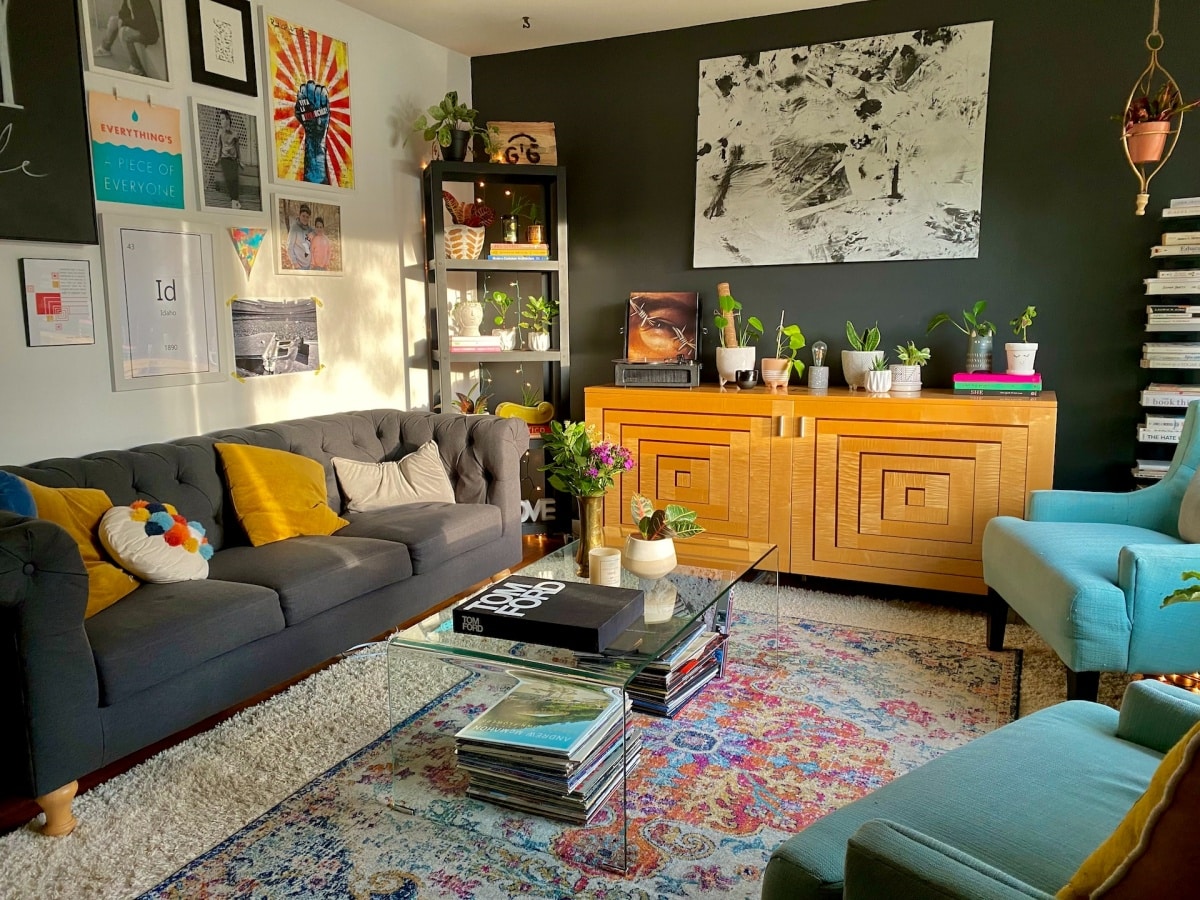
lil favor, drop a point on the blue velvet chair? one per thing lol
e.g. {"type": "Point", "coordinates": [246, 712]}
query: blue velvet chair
{"type": "Point", "coordinates": [1088, 571]}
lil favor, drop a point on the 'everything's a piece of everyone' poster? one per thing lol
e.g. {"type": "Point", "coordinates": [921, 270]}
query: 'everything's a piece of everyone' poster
{"type": "Point", "coordinates": [137, 152]}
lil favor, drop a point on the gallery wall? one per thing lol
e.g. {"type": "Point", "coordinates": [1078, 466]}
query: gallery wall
{"type": "Point", "coordinates": [1057, 231]}
{"type": "Point", "coordinates": [60, 400]}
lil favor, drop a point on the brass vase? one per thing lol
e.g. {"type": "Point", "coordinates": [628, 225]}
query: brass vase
{"type": "Point", "coordinates": [591, 529]}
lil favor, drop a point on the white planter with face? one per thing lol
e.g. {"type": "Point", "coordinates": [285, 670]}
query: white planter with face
{"type": "Point", "coordinates": [1020, 358]}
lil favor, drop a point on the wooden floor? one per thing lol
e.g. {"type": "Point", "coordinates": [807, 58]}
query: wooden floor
{"type": "Point", "coordinates": [14, 813]}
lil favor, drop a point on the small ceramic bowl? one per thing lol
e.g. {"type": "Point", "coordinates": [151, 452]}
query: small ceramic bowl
{"type": "Point", "coordinates": [746, 378]}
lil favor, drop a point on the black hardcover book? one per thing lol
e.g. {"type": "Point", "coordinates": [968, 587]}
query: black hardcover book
{"type": "Point", "coordinates": [567, 614]}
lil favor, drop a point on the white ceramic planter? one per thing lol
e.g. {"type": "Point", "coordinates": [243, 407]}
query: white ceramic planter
{"type": "Point", "coordinates": [660, 602]}
{"type": "Point", "coordinates": [648, 559]}
{"type": "Point", "coordinates": [508, 337]}
{"type": "Point", "coordinates": [879, 381]}
{"type": "Point", "coordinates": [464, 241]}
{"type": "Point", "coordinates": [856, 364]}
{"type": "Point", "coordinates": [731, 360]}
{"type": "Point", "coordinates": [905, 379]}
{"type": "Point", "coordinates": [539, 340]}
{"type": "Point", "coordinates": [1020, 358]}
{"type": "Point", "coordinates": [776, 372]}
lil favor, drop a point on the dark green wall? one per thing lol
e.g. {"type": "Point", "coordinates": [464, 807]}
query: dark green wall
{"type": "Point", "coordinates": [1058, 229]}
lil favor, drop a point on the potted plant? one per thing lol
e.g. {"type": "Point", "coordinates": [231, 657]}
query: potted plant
{"type": "Point", "coordinates": [474, 402]}
{"type": "Point", "coordinates": [906, 373]}
{"type": "Point", "coordinates": [464, 236]}
{"type": "Point", "coordinates": [539, 313]}
{"type": "Point", "coordinates": [735, 353]}
{"type": "Point", "coordinates": [651, 552]}
{"type": "Point", "coordinates": [858, 360]}
{"type": "Point", "coordinates": [450, 125]}
{"type": "Point", "coordinates": [879, 376]}
{"type": "Point", "coordinates": [777, 369]}
{"type": "Point", "coordinates": [1021, 353]}
{"type": "Point", "coordinates": [979, 333]}
{"type": "Point", "coordinates": [524, 208]}
{"type": "Point", "coordinates": [1147, 121]}
{"type": "Point", "coordinates": [500, 301]}
{"type": "Point", "coordinates": [532, 410]}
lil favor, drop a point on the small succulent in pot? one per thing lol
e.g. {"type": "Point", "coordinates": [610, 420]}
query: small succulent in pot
{"type": "Point", "coordinates": [880, 364]}
{"type": "Point", "coordinates": [674, 521]}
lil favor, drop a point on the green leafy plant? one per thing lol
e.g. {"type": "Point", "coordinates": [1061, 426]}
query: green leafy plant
{"type": "Point", "coordinates": [579, 464]}
{"type": "Point", "coordinates": [911, 355]}
{"type": "Point", "coordinates": [727, 314]}
{"type": "Point", "coordinates": [674, 521]}
{"type": "Point", "coordinates": [530, 396]}
{"type": "Point", "coordinates": [973, 325]}
{"type": "Point", "coordinates": [438, 123]}
{"type": "Point", "coordinates": [880, 364]}
{"type": "Point", "coordinates": [501, 301]}
{"type": "Point", "coordinates": [523, 207]}
{"type": "Point", "coordinates": [472, 214]}
{"type": "Point", "coordinates": [1160, 106]}
{"type": "Point", "coordinates": [869, 340]}
{"type": "Point", "coordinates": [540, 312]}
{"type": "Point", "coordinates": [1022, 322]}
{"type": "Point", "coordinates": [1187, 594]}
{"type": "Point", "coordinates": [474, 402]}
{"type": "Point", "coordinates": [789, 340]}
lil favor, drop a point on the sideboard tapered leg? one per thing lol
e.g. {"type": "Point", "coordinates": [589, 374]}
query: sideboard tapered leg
{"type": "Point", "coordinates": [57, 807]}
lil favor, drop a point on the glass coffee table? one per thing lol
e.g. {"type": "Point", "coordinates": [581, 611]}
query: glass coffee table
{"type": "Point", "coordinates": [690, 606]}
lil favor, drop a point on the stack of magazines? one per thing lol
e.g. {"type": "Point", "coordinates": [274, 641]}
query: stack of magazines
{"type": "Point", "coordinates": [550, 747]}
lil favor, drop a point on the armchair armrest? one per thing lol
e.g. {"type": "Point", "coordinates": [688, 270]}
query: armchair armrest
{"type": "Point", "coordinates": [50, 729]}
{"type": "Point", "coordinates": [1157, 715]}
{"type": "Point", "coordinates": [1156, 507]}
{"type": "Point", "coordinates": [885, 859]}
{"type": "Point", "coordinates": [1160, 639]}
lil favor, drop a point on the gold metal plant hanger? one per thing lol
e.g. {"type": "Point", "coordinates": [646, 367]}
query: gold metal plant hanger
{"type": "Point", "coordinates": [1143, 87]}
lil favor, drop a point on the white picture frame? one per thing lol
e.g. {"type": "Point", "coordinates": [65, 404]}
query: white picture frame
{"type": "Point", "coordinates": [57, 295]}
{"type": "Point", "coordinates": [289, 261]}
{"type": "Point", "coordinates": [114, 60]}
{"type": "Point", "coordinates": [167, 327]}
{"type": "Point", "coordinates": [212, 194]}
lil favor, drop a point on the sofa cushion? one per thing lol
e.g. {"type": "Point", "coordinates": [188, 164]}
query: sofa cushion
{"type": "Point", "coordinates": [434, 533]}
{"type": "Point", "coordinates": [312, 574]}
{"type": "Point", "coordinates": [15, 496]}
{"type": "Point", "coordinates": [1057, 773]}
{"type": "Point", "coordinates": [419, 477]}
{"type": "Point", "coordinates": [78, 512]}
{"type": "Point", "coordinates": [155, 543]}
{"type": "Point", "coordinates": [163, 630]}
{"type": "Point", "coordinates": [277, 494]}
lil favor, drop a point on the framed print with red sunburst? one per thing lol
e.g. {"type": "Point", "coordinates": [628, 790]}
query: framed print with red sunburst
{"type": "Point", "coordinates": [308, 98]}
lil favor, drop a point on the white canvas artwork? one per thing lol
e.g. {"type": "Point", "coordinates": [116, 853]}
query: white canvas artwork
{"type": "Point", "coordinates": [851, 151]}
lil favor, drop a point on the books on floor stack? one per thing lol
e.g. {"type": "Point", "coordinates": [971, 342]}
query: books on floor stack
{"type": "Point", "coordinates": [1160, 428]}
{"type": "Point", "coordinates": [1151, 469]}
{"type": "Point", "coordinates": [1171, 355]}
{"type": "Point", "coordinates": [1183, 208]}
{"type": "Point", "coordinates": [1170, 395]}
{"type": "Point", "coordinates": [1175, 316]}
{"type": "Point", "coordinates": [997, 384]}
{"type": "Point", "coordinates": [484, 343]}
{"type": "Point", "coordinates": [551, 747]}
{"type": "Point", "coordinates": [518, 251]}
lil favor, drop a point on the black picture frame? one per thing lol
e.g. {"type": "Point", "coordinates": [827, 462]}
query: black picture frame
{"type": "Point", "coordinates": [200, 73]}
{"type": "Point", "coordinates": [45, 147]}
{"type": "Point", "coordinates": [662, 326]}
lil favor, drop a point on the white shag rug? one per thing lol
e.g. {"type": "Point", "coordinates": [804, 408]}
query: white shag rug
{"type": "Point", "coordinates": [139, 827]}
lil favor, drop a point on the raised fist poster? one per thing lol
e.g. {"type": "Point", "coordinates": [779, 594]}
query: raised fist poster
{"type": "Point", "coordinates": [309, 76]}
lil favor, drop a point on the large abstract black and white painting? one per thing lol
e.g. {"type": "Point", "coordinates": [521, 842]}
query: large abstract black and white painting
{"type": "Point", "coordinates": [851, 151]}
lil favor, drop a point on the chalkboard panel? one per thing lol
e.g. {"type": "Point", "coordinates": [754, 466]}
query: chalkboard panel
{"type": "Point", "coordinates": [45, 169]}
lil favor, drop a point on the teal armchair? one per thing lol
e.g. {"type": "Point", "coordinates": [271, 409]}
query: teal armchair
{"type": "Point", "coordinates": [1012, 814]}
{"type": "Point", "coordinates": [1088, 572]}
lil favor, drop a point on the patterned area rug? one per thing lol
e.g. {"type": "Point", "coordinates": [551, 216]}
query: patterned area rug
{"type": "Point", "coordinates": [808, 718]}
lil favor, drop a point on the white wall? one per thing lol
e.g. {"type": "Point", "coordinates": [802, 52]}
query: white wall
{"type": "Point", "coordinates": [58, 401]}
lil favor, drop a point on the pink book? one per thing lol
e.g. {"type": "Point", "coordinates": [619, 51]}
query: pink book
{"type": "Point", "coordinates": [997, 377]}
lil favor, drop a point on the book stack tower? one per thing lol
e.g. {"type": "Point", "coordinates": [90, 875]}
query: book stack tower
{"type": "Point", "coordinates": [483, 343]}
{"type": "Point", "coordinates": [551, 747]}
{"type": "Point", "coordinates": [518, 251]}
{"type": "Point", "coordinates": [1173, 317]}
{"type": "Point", "coordinates": [997, 384]}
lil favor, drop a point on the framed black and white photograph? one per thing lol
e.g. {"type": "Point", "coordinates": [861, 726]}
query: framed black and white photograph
{"type": "Point", "coordinates": [309, 237]}
{"type": "Point", "coordinates": [275, 337]}
{"type": "Point", "coordinates": [45, 148]}
{"type": "Point", "coordinates": [166, 324]}
{"type": "Point", "coordinates": [221, 45]}
{"type": "Point", "coordinates": [58, 302]}
{"type": "Point", "coordinates": [228, 158]}
{"type": "Point", "coordinates": [127, 38]}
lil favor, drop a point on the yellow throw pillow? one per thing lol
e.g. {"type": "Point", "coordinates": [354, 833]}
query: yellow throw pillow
{"type": "Point", "coordinates": [276, 494]}
{"type": "Point", "coordinates": [1152, 852]}
{"type": "Point", "coordinates": [78, 511]}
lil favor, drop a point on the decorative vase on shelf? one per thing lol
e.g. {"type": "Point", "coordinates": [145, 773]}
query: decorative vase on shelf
{"type": "Point", "coordinates": [776, 371]}
{"type": "Point", "coordinates": [856, 364]}
{"type": "Point", "coordinates": [648, 559]}
{"type": "Point", "coordinates": [539, 340]}
{"type": "Point", "coordinates": [1147, 141]}
{"type": "Point", "coordinates": [1020, 358]}
{"type": "Point", "coordinates": [508, 229]}
{"type": "Point", "coordinates": [591, 529]}
{"type": "Point", "coordinates": [508, 337]}
{"type": "Point", "coordinates": [468, 315]}
{"type": "Point", "coordinates": [905, 379]}
{"type": "Point", "coordinates": [464, 241]}
{"type": "Point", "coordinates": [979, 353]}
{"type": "Point", "coordinates": [879, 381]}
{"type": "Point", "coordinates": [460, 138]}
{"type": "Point", "coordinates": [535, 234]}
{"type": "Point", "coordinates": [731, 360]}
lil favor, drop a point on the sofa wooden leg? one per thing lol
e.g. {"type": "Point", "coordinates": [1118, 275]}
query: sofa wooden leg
{"type": "Point", "coordinates": [1083, 685]}
{"type": "Point", "coordinates": [997, 614]}
{"type": "Point", "coordinates": [57, 807]}
{"type": "Point", "coordinates": [503, 573]}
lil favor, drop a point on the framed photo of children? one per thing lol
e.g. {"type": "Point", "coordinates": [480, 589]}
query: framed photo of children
{"type": "Point", "coordinates": [127, 38]}
{"type": "Point", "coordinates": [228, 160]}
{"type": "Point", "coordinates": [221, 45]}
{"type": "Point", "coordinates": [310, 237]}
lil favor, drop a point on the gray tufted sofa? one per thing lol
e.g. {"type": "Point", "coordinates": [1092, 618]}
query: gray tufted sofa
{"type": "Point", "coordinates": [77, 694]}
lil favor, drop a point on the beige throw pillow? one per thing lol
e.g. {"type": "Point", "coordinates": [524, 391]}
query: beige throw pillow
{"type": "Point", "coordinates": [419, 477]}
{"type": "Point", "coordinates": [1189, 512]}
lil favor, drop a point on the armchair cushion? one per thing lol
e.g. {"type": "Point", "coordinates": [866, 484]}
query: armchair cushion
{"type": "Point", "coordinates": [1157, 715]}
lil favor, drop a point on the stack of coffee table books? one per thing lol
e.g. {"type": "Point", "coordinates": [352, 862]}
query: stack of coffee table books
{"type": "Point", "coordinates": [550, 746]}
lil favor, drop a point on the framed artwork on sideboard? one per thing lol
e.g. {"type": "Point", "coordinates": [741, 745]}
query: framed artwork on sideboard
{"type": "Point", "coordinates": [662, 326]}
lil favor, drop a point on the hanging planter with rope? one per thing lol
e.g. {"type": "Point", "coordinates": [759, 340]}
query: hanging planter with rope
{"type": "Point", "coordinates": [1146, 133]}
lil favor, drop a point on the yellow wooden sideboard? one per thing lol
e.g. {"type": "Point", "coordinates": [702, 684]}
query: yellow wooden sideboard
{"type": "Point", "coordinates": [878, 488]}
